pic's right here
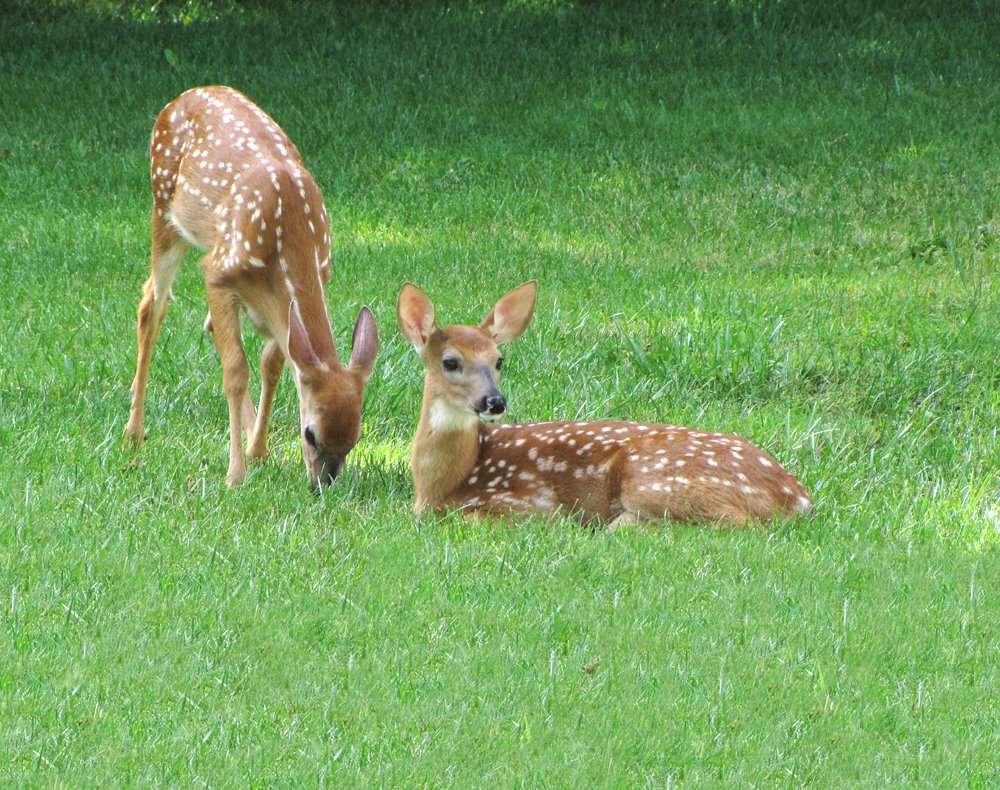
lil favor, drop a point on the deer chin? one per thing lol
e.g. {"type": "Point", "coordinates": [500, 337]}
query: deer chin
{"type": "Point", "coordinates": [485, 416]}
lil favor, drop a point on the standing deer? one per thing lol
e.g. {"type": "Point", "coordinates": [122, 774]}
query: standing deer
{"type": "Point", "coordinates": [600, 471]}
{"type": "Point", "coordinates": [228, 180]}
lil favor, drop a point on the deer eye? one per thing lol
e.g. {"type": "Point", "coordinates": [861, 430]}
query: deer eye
{"type": "Point", "coordinates": [450, 363]}
{"type": "Point", "coordinates": [310, 437]}
{"type": "Point", "coordinates": [499, 363]}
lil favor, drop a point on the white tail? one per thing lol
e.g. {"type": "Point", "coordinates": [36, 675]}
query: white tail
{"type": "Point", "coordinates": [228, 180]}
{"type": "Point", "coordinates": [601, 471]}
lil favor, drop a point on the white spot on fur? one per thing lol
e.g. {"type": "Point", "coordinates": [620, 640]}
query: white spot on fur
{"type": "Point", "coordinates": [545, 500]}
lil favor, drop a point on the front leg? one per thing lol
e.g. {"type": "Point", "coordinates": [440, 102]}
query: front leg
{"type": "Point", "coordinates": [624, 520]}
{"type": "Point", "coordinates": [235, 374]}
{"type": "Point", "coordinates": [272, 362]}
{"type": "Point", "coordinates": [249, 415]}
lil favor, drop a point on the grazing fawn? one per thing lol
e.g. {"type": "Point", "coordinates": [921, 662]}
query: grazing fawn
{"type": "Point", "coordinates": [600, 471]}
{"type": "Point", "coordinates": [227, 179]}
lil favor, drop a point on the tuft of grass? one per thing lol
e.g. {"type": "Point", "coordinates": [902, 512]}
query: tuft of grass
{"type": "Point", "coordinates": [771, 218]}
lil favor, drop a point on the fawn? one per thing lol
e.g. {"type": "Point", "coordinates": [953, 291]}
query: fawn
{"type": "Point", "coordinates": [599, 471]}
{"type": "Point", "coordinates": [228, 180]}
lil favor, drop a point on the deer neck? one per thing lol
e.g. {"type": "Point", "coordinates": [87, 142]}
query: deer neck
{"type": "Point", "coordinates": [312, 308]}
{"type": "Point", "coordinates": [300, 263]}
{"type": "Point", "coordinates": [445, 450]}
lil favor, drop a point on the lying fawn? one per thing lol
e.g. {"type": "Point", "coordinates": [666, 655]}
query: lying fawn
{"type": "Point", "coordinates": [600, 471]}
{"type": "Point", "coordinates": [228, 180]}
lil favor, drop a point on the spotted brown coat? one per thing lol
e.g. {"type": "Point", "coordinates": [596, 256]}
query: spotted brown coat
{"type": "Point", "coordinates": [600, 471]}
{"type": "Point", "coordinates": [228, 180]}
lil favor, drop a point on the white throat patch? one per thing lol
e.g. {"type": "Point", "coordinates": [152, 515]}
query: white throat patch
{"type": "Point", "coordinates": [446, 418]}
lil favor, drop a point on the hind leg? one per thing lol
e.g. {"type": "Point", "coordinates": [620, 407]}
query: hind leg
{"type": "Point", "coordinates": [683, 501]}
{"type": "Point", "coordinates": [168, 252]}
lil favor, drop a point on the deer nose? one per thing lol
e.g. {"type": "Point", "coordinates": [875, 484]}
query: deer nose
{"type": "Point", "coordinates": [495, 404]}
{"type": "Point", "coordinates": [325, 476]}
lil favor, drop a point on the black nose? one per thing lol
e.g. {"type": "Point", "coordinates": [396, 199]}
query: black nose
{"type": "Point", "coordinates": [327, 474]}
{"type": "Point", "coordinates": [495, 404]}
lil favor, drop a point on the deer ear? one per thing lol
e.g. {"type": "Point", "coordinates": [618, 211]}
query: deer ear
{"type": "Point", "coordinates": [512, 314]}
{"type": "Point", "coordinates": [300, 349]}
{"type": "Point", "coordinates": [364, 345]}
{"type": "Point", "coordinates": [415, 314]}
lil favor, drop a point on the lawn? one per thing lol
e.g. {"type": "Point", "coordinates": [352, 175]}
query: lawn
{"type": "Point", "coordinates": [773, 218]}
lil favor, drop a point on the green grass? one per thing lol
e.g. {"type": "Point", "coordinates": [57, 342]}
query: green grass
{"type": "Point", "coordinates": [758, 217]}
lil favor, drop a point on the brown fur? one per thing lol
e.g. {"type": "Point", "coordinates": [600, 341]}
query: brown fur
{"type": "Point", "coordinates": [599, 471]}
{"type": "Point", "coordinates": [228, 180]}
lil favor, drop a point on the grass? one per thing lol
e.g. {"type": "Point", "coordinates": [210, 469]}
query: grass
{"type": "Point", "coordinates": [764, 217]}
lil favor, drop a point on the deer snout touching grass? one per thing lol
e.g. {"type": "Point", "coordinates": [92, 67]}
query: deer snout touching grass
{"type": "Point", "coordinates": [611, 472]}
{"type": "Point", "coordinates": [228, 180]}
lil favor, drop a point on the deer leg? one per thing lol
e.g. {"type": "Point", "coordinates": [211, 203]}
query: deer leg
{"type": "Point", "coordinates": [235, 374]}
{"type": "Point", "coordinates": [249, 415]}
{"type": "Point", "coordinates": [706, 503]}
{"type": "Point", "coordinates": [624, 520]}
{"type": "Point", "coordinates": [272, 362]}
{"type": "Point", "coordinates": [168, 252]}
